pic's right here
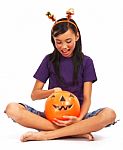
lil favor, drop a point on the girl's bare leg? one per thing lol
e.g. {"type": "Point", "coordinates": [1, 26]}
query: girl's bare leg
{"type": "Point", "coordinates": [27, 119]}
{"type": "Point", "coordinates": [105, 117]}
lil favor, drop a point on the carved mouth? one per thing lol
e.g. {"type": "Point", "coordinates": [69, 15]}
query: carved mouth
{"type": "Point", "coordinates": [62, 107]}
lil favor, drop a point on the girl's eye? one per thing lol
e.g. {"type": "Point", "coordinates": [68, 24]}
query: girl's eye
{"type": "Point", "coordinates": [58, 42]}
{"type": "Point", "coordinates": [68, 41]}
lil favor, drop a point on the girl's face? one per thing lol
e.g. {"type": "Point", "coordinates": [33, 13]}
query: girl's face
{"type": "Point", "coordinates": [66, 42]}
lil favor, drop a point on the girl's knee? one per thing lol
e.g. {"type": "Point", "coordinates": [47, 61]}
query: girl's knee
{"type": "Point", "coordinates": [12, 109]}
{"type": "Point", "coordinates": [111, 113]}
{"type": "Point", "coordinates": [108, 115]}
{"type": "Point", "coordinates": [9, 108]}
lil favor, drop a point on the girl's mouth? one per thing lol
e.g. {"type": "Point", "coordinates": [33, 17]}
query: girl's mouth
{"type": "Point", "coordinates": [65, 51]}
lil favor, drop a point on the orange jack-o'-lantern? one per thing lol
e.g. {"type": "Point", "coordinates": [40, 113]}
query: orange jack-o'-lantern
{"type": "Point", "coordinates": [62, 103]}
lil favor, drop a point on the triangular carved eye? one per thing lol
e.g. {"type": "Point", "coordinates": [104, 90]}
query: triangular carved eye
{"type": "Point", "coordinates": [71, 95]}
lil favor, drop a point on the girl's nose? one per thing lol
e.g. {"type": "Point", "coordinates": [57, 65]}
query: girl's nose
{"type": "Point", "coordinates": [65, 46]}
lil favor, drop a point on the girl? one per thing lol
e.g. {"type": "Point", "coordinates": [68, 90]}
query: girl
{"type": "Point", "coordinates": [67, 68]}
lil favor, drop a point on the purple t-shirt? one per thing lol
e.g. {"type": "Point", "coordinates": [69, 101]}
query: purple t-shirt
{"type": "Point", "coordinates": [86, 73]}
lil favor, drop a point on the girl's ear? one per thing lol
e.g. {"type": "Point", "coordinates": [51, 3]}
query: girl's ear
{"type": "Point", "coordinates": [77, 36]}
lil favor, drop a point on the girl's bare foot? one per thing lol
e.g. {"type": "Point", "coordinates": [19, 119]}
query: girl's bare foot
{"type": "Point", "coordinates": [41, 136]}
{"type": "Point", "coordinates": [87, 136]}
{"type": "Point", "coordinates": [33, 136]}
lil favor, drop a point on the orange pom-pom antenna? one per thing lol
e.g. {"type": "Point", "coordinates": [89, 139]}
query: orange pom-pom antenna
{"type": "Point", "coordinates": [50, 16]}
{"type": "Point", "coordinates": [69, 13]}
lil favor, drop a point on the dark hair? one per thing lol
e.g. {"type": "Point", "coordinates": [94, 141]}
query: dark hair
{"type": "Point", "coordinates": [61, 28]}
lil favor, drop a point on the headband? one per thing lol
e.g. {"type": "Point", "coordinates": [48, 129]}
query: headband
{"type": "Point", "coordinates": [69, 14]}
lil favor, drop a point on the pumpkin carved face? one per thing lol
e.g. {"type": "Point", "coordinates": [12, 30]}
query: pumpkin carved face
{"type": "Point", "coordinates": [62, 103]}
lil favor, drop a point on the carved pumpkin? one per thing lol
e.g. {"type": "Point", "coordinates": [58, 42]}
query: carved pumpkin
{"type": "Point", "coordinates": [62, 103]}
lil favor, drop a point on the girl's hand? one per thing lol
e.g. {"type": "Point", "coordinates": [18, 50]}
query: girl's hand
{"type": "Point", "coordinates": [70, 120]}
{"type": "Point", "coordinates": [57, 89]}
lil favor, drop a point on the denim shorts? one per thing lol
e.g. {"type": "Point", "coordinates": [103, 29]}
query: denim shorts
{"type": "Point", "coordinates": [42, 114]}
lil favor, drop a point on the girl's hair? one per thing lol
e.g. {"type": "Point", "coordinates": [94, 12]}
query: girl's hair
{"type": "Point", "coordinates": [61, 28]}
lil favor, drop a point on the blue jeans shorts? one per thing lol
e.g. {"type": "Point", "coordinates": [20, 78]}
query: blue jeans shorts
{"type": "Point", "coordinates": [42, 114]}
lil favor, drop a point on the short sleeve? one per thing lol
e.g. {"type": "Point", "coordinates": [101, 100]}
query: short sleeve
{"type": "Point", "coordinates": [42, 73]}
{"type": "Point", "coordinates": [89, 71]}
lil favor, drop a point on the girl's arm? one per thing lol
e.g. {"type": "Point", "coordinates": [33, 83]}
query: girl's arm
{"type": "Point", "coordinates": [39, 93]}
{"type": "Point", "coordinates": [87, 90]}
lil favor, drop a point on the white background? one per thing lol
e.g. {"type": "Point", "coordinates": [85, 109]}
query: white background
{"type": "Point", "coordinates": [25, 40]}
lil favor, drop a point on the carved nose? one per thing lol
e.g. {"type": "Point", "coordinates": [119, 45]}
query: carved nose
{"type": "Point", "coordinates": [62, 99]}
